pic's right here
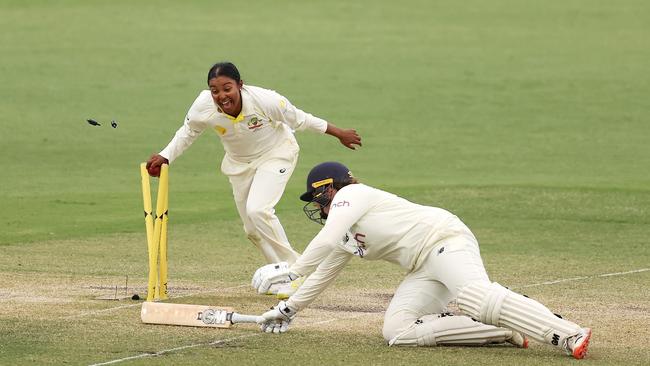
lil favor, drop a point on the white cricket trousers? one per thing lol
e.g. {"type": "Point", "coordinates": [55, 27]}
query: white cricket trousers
{"type": "Point", "coordinates": [452, 263]}
{"type": "Point", "coordinates": [257, 187]}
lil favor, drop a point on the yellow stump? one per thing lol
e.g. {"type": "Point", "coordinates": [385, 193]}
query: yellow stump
{"type": "Point", "coordinates": [164, 196]}
{"type": "Point", "coordinates": [156, 232]}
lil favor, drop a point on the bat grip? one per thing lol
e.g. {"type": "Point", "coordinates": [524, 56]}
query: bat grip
{"type": "Point", "coordinates": [241, 318]}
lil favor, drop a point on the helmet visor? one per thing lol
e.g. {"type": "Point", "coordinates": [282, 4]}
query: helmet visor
{"type": "Point", "coordinates": [314, 209]}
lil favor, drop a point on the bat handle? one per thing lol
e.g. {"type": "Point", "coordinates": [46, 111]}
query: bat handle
{"type": "Point", "coordinates": [241, 318]}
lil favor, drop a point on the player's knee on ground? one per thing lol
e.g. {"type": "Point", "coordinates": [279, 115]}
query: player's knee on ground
{"type": "Point", "coordinates": [448, 330]}
{"type": "Point", "coordinates": [394, 325]}
{"type": "Point", "coordinates": [494, 304]}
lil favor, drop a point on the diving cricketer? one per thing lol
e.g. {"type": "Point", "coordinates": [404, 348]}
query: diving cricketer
{"type": "Point", "coordinates": [442, 260]}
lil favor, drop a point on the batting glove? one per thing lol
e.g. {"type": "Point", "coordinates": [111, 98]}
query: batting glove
{"type": "Point", "coordinates": [277, 319]}
{"type": "Point", "coordinates": [273, 278]}
{"type": "Point", "coordinates": [264, 271]}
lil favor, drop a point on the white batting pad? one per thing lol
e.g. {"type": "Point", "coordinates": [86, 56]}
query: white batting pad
{"type": "Point", "coordinates": [445, 330]}
{"type": "Point", "coordinates": [494, 304]}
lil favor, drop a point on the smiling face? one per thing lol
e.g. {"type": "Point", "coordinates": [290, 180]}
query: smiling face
{"type": "Point", "coordinates": [226, 93]}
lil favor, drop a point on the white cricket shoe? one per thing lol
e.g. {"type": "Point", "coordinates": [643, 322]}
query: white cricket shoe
{"type": "Point", "coordinates": [576, 345]}
{"type": "Point", "coordinates": [518, 340]}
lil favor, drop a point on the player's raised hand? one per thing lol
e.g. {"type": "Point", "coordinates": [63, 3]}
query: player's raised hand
{"type": "Point", "coordinates": [277, 319]}
{"type": "Point", "coordinates": [349, 138]}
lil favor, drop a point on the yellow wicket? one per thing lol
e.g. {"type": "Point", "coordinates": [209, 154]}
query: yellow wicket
{"type": "Point", "coordinates": [156, 232]}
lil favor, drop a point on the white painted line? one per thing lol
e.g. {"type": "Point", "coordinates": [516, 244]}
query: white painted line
{"type": "Point", "coordinates": [220, 341]}
{"type": "Point", "coordinates": [583, 278]}
{"type": "Point", "coordinates": [160, 353]}
{"type": "Point", "coordinates": [93, 312]}
{"type": "Point", "coordinates": [622, 273]}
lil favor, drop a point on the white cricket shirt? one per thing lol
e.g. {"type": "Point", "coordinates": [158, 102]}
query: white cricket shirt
{"type": "Point", "coordinates": [266, 121]}
{"type": "Point", "coordinates": [372, 224]}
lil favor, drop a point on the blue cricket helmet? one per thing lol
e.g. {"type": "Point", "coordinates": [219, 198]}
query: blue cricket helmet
{"type": "Point", "coordinates": [324, 174]}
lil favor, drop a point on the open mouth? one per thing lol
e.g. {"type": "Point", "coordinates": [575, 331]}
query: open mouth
{"type": "Point", "coordinates": [226, 103]}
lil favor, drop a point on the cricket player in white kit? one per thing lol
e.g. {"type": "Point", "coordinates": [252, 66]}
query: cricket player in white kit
{"type": "Point", "coordinates": [443, 263]}
{"type": "Point", "coordinates": [256, 128]}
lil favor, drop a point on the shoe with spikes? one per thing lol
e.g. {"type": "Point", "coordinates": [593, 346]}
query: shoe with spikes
{"type": "Point", "coordinates": [577, 344]}
{"type": "Point", "coordinates": [286, 290]}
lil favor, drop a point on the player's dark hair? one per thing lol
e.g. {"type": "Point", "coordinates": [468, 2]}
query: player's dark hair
{"type": "Point", "coordinates": [340, 184]}
{"type": "Point", "coordinates": [224, 69]}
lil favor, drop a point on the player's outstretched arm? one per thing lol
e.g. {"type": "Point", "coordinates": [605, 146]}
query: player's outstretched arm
{"type": "Point", "coordinates": [154, 163]}
{"type": "Point", "coordinates": [277, 319]}
{"type": "Point", "coordinates": [348, 137]}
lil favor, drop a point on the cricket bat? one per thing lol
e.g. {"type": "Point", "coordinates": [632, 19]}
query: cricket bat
{"type": "Point", "coordinates": [193, 315]}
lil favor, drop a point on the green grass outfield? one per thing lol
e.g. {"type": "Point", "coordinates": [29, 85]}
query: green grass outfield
{"type": "Point", "coordinates": [527, 119]}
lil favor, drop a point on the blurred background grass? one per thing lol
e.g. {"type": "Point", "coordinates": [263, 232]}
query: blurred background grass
{"type": "Point", "coordinates": [514, 93]}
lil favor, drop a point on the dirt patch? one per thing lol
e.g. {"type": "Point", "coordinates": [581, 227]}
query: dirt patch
{"type": "Point", "coordinates": [351, 308]}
